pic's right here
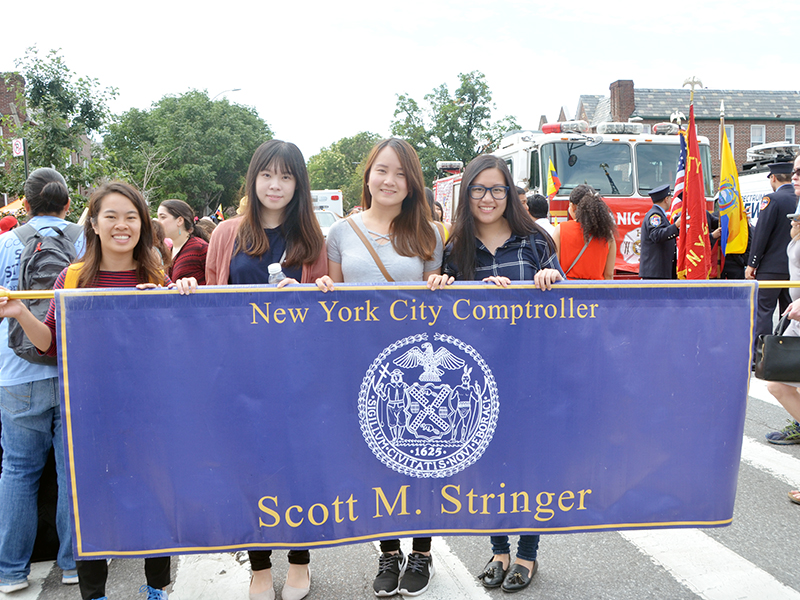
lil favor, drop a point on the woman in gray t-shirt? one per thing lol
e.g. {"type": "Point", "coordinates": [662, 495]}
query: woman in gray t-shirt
{"type": "Point", "coordinates": [396, 221]}
{"type": "Point", "coordinates": [396, 224]}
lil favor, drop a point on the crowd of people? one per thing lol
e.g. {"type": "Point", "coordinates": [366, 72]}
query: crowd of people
{"type": "Point", "coordinates": [498, 236]}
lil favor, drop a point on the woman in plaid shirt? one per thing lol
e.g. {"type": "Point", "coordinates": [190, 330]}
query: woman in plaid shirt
{"type": "Point", "coordinates": [495, 240]}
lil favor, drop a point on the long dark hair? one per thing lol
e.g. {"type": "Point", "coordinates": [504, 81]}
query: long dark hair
{"type": "Point", "coordinates": [179, 208]}
{"type": "Point", "coordinates": [159, 243]}
{"type": "Point", "coordinates": [592, 213]}
{"type": "Point", "coordinates": [46, 192]}
{"type": "Point", "coordinates": [148, 269]}
{"type": "Point", "coordinates": [462, 239]}
{"type": "Point", "coordinates": [412, 233]}
{"type": "Point", "coordinates": [304, 239]}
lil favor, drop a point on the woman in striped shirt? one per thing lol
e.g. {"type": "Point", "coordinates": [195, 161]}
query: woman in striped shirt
{"type": "Point", "coordinates": [189, 243]}
{"type": "Point", "coordinates": [119, 253]}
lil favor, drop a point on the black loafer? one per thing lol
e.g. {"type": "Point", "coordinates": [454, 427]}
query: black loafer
{"type": "Point", "coordinates": [493, 574]}
{"type": "Point", "coordinates": [518, 577]}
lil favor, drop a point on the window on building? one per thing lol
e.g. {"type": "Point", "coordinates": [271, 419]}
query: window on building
{"type": "Point", "coordinates": [790, 134]}
{"type": "Point", "coordinates": [729, 129]}
{"type": "Point", "coordinates": [758, 134]}
{"type": "Point", "coordinates": [647, 129]}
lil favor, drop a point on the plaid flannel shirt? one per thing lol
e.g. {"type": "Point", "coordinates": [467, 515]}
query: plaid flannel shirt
{"type": "Point", "coordinates": [516, 259]}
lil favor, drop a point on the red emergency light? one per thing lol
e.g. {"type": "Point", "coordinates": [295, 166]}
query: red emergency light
{"type": "Point", "coordinates": [566, 127]}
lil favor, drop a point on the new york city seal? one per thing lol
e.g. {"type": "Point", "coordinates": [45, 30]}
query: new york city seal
{"type": "Point", "coordinates": [428, 409]}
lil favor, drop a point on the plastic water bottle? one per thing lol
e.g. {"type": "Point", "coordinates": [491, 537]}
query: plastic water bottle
{"type": "Point", "coordinates": [275, 273]}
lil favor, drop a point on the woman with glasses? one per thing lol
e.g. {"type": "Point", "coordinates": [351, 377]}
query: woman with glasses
{"type": "Point", "coordinates": [494, 240]}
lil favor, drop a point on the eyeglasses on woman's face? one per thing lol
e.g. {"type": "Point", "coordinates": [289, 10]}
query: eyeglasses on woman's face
{"type": "Point", "coordinates": [477, 192]}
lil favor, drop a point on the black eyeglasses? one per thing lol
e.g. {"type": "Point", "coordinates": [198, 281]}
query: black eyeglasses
{"type": "Point", "coordinates": [796, 172]}
{"type": "Point", "coordinates": [477, 192]}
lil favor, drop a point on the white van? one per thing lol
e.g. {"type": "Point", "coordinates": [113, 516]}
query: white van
{"type": "Point", "coordinates": [754, 178]}
{"type": "Point", "coordinates": [330, 200]}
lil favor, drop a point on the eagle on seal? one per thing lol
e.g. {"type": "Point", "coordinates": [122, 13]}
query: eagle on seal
{"type": "Point", "coordinates": [429, 360]}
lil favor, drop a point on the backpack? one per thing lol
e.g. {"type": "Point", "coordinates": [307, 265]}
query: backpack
{"type": "Point", "coordinates": [41, 262]}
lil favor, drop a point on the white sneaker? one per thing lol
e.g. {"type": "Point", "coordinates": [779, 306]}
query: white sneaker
{"type": "Point", "coordinates": [7, 588]}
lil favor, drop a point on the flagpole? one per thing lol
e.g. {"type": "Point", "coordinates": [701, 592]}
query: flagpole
{"type": "Point", "coordinates": [694, 82]}
{"type": "Point", "coordinates": [721, 126]}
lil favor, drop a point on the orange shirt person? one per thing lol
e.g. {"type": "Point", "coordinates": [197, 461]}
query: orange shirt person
{"type": "Point", "coordinates": [586, 246]}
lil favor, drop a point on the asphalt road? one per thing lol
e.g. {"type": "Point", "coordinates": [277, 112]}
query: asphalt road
{"type": "Point", "coordinates": [754, 558]}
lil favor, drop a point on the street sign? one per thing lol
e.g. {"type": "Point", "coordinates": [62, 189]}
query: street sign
{"type": "Point", "coordinates": [18, 147]}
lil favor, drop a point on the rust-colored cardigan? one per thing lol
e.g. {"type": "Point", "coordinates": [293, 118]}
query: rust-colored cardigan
{"type": "Point", "coordinates": [220, 251]}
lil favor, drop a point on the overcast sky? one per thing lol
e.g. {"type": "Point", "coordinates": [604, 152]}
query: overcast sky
{"type": "Point", "coordinates": [319, 71]}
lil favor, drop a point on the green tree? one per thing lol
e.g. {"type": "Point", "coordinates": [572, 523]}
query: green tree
{"type": "Point", "coordinates": [187, 147]}
{"type": "Point", "coordinates": [341, 166]}
{"type": "Point", "coordinates": [454, 127]}
{"type": "Point", "coordinates": [56, 114]}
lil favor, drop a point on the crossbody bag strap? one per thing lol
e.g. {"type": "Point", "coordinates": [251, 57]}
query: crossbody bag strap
{"type": "Point", "coordinates": [442, 234]}
{"type": "Point", "coordinates": [369, 247]}
{"type": "Point", "coordinates": [577, 258]}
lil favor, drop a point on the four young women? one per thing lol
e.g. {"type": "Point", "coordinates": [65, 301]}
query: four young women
{"type": "Point", "coordinates": [392, 239]}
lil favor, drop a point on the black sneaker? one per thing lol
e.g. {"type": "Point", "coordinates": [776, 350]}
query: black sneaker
{"type": "Point", "coordinates": [387, 581]}
{"type": "Point", "coordinates": [418, 575]}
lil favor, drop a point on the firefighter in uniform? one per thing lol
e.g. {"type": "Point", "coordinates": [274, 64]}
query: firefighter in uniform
{"type": "Point", "coordinates": [768, 259]}
{"type": "Point", "coordinates": [657, 258]}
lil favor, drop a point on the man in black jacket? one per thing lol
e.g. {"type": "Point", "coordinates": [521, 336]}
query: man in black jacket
{"type": "Point", "coordinates": [657, 255]}
{"type": "Point", "coordinates": [768, 260]}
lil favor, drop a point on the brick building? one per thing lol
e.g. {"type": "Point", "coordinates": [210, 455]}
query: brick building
{"type": "Point", "coordinates": [752, 117]}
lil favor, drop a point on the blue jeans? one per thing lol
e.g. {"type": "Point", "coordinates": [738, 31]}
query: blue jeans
{"type": "Point", "coordinates": [31, 426]}
{"type": "Point", "coordinates": [527, 546]}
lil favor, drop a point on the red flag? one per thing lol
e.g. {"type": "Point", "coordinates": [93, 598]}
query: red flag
{"type": "Point", "coordinates": [694, 254]}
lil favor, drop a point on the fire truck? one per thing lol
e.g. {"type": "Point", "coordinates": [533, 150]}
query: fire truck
{"type": "Point", "coordinates": [620, 161]}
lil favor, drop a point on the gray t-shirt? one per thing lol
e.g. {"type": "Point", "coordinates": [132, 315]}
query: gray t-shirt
{"type": "Point", "coordinates": [358, 266]}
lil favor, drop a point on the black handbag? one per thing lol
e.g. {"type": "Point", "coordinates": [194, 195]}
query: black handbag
{"type": "Point", "coordinates": [778, 355]}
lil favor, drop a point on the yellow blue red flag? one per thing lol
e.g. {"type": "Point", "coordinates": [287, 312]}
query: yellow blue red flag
{"type": "Point", "coordinates": [553, 182]}
{"type": "Point", "coordinates": [732, 218]}
{"type": "Point", "coordinates": [218, 213]}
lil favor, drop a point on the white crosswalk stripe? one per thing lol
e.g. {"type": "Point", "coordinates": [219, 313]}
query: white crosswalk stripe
{"type": "Point", "coordinates": [776, 463]}
{"type": "Point", "coordinates": [707, 567]}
